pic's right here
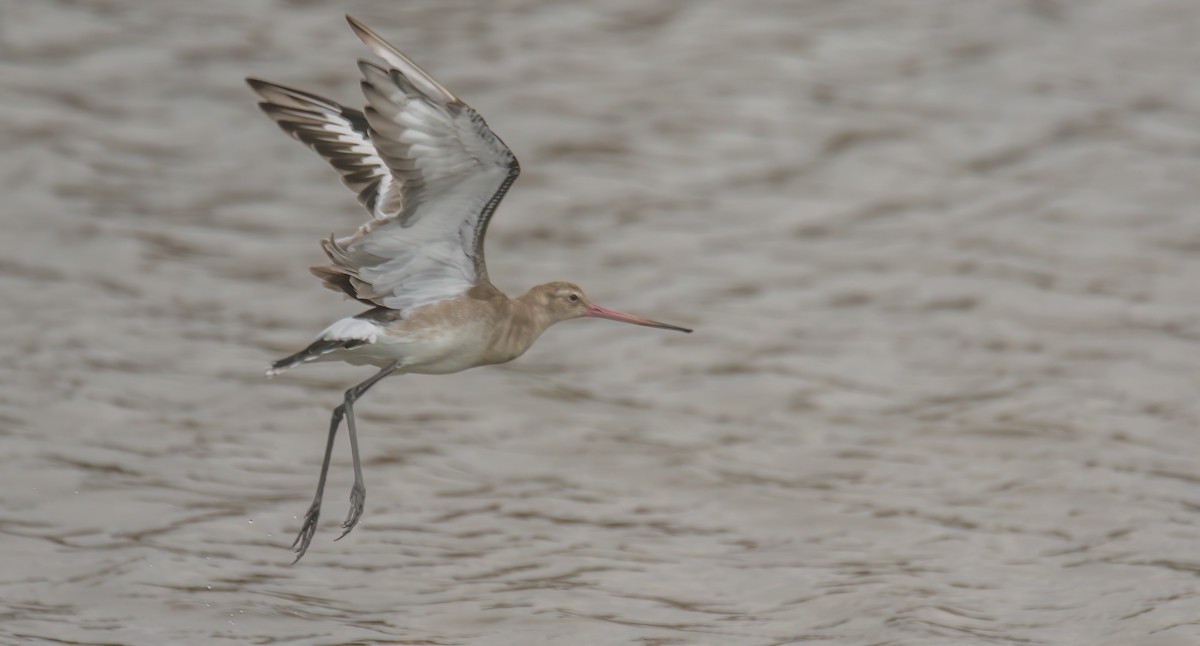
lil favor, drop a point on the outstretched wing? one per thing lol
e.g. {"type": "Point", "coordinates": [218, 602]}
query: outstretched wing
{"type": "Point", "coordinates": [339, 134]}
{"type": "Point", "coordinates": [424, 163]}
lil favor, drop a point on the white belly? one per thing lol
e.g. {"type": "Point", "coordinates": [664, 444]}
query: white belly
{"type": "Point", "coordinates": [431, 351]}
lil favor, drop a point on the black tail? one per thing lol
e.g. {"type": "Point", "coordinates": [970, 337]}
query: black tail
{"type": "Point", "coordinates": [316, 349]}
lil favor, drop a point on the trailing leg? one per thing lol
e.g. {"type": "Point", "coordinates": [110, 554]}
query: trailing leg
{"type": "Point", "coordinates": [358, 493]}
{"type": "Point", "coordinates": [300, 545]}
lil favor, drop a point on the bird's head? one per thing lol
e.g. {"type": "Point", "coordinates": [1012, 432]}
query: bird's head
{"type": "Point", "coordinates": [563, 301]}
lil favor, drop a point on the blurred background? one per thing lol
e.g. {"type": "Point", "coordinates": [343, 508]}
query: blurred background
{"type": "Point", "coordinates": [941, 258]}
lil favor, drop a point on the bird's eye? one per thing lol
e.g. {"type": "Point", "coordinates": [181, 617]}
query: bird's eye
{"type": "Point", "coordinates": [574, 298]}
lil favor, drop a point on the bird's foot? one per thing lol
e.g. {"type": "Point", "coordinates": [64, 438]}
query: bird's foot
{"type": "Point", "coordinates": [358, 495]}
{"type": "Point", "coordinates": [300, 545]}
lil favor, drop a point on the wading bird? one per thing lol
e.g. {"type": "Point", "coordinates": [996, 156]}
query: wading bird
{"type": "Point", "coordinates": [431, 173]}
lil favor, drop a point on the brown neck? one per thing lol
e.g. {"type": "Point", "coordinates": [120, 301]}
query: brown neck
{"type": "Point", "coordinates": [525, 322]}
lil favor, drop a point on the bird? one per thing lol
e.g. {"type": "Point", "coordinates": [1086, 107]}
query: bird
{"type": "Point", "coordinates": [430, 172]}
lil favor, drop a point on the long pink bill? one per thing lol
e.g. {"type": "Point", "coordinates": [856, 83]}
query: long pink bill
{"type": "Point", "coordinates": [604, 313]}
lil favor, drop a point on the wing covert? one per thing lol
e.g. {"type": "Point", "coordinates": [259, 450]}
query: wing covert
{"type": "Point", "coordinates": [446, 172]}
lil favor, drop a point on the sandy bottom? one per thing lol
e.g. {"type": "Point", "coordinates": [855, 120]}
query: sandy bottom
{"type": "Point", "coordinates": [942, 259]}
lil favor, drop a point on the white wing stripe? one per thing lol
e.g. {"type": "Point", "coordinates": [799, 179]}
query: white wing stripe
{"type": "Point", "coordinates": [425, 164]}
{"type": "Point", "coordinates": [338, 134]}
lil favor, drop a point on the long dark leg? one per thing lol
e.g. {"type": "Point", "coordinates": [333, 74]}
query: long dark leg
{"type": "Point", "coordinates": [358, 493]}
{"type": "Point", "coordinates": [300, 545]}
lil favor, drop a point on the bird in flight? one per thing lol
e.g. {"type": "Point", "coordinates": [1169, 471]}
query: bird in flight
{"type": "Point", "coordinates": [431, 173]}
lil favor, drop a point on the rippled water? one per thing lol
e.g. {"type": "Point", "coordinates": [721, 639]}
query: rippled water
{"type": "Point", "coordinates": [941, 258]}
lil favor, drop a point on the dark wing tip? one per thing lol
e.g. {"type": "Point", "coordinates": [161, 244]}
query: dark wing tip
{"type": "Point", "coordinates": [258, 85]}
